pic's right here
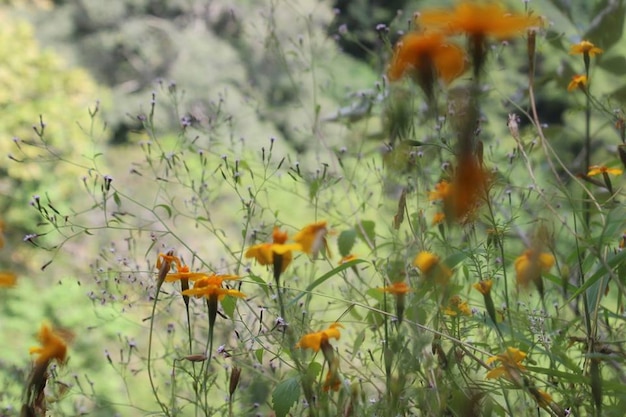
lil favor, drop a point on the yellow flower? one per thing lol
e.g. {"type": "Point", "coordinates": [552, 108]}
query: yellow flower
{"type": "Point", "coordinates": [211, 287]}
{"type": "Point", "coordinates": [510, 362]}
{"type": "Point", "coordinates": [265, 253]}
{"type": "Point", "coordinates": [312, 238]}
{"type": "Point", "coordinates": [425, 261]}
{"type": "Point", "coordinates": [585, 47]}
{"type": "Point", "coordinates": [424, 56]}
{"type": "Point", "coordinates": [456, 306]}
{"type": "Point", "coordinates": [578, 81]}
{"type": "Point", "coordinates": [484, 287]}
{"type": "Point", "coordinates": [478, 20]}
{"type": "Point", "coordinates": [316, 340]}
{"type": "Point", "coordinates": [531, 264]}
{"type": "Point", "coordinates": [396, 288]}
{"type": "Point", "coordinates": [53, 346]}
{"type": "Point", "coordinates": [432, 268]}
{"type": "Point", "coordinates": [7, 279]}
{"type": "Point", "coordinates": [601, 169]}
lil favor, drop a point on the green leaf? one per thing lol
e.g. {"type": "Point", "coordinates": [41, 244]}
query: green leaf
{"type": "Point", "coordinates": [346, 241]}
{"type": "Point", "coordinates": [365, 231]}
{"type": "Point", "coordinates": [612, 262]}
{"type": "Point", "coordinates": [166, 207]}
{"type": "Point", "coordinates": [324, 277]}
{"type": "Point", "coordinates": [259, 354]}
{"type": "Point", "coordinates": [228, 304]}
{"type": "Point", "coordinates": [285, 395]}
{"type": "Point", "coordinates": [261, 283]}
{"type": "Point", "coordinates": [117, 200]}
{"type": "Point", "coordinates": [358, 341]}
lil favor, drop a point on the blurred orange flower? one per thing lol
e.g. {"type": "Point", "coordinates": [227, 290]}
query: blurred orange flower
{"type": "Point", "coordinates": [316, 340]}
{"type": "Point", "coordinates": [396, 288]}
{"type": "Point", "coordinates": [510, 362]}
{"type": "Point", "coordinates": [53, 346]}
{"type": "Point", "coordinates": [530, 265]}
{"type": "Point", "coordinates": [424, 56]}
{"type": "Point", "coordinates": [432, 268]}
{"type": "Point", "coordinates": [457, 306]}
{"type": "Point", "coordinates": [441, 192]}
{"type": "Point", "coordinates": [585, 47]}
{"type": "Point", "coordinates": [578, 81]}
{"type": "Point", "coordinates": [484, 287]}
{"type": "Point", "coordinates": [601, 169]}
{"type": "Point", "coordinates": [478, 20]}
{"type": "Point", "coordinates": [7, 279]}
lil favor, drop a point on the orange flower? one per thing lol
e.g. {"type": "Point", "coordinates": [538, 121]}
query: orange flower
{"type": "Point", "coordinates": [530, 265]}
{"type": "Point", "coordinates": [585, 48]}
{"type": "Point", "coordinates": [442, 191]}
{"type": "Point", "coordinates": [601, 169]}
{"type": "Point", "coordinates": [510, 363]}
{"type": "Point", "coordinates": [315, 341]}
{"type": "Point", "coordinates": [578, 81]}
{"type": "Point", "coordinates": [312, 238]}
{"type": "Point", "coordinates": [265, 253]}
{"type": "Point", "coordinates": [484, 287]}
{"type": "Point", "coordinates": [438, 218]}
{"type": "Point", "coordinates": [396, 288]}
{"type": "Point", "coordinates": [53, 346]}
{"type": "Point", "coordinates": [425, 56]}
{"type": "Point", "coordinates": [332, 382]}
{"type": "Point", "coordinates": [211, 287]}
{"type": "Point", "coordinates": [478, 20]}
{"type": "Point", "coordinates": [7, 279]}
{"type": "Point", "coordinates": [468, 189]}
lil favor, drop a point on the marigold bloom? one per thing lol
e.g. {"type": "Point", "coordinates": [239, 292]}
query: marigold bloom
{"type": "Point", "coordinates": [468, 188]}
{"type": "Point", "coordinates": [53, 346]}
{"type": "Point", "coordinates": [456, 305]}
{"type": "Point", "coordinates": [601, 169]}
{"type": "Point", "coordinates": [478, 20]}
{"type": "Point", "coordinates": [425, 56]}
{"type": "Point", "coordinates": [441, 192]}
{"type": "Point", "coordinates": [425, 261]}
{"type": "Point", "coordinates": [530, 265]}
{"type": "Point", "coordinates": [396, 288]}
{"type": "Point", "coordinates": [432, 268]}
{"type": "Point", "coordinates": [510, 362]}
{"type": "Point", "coordinates": [211, 287]}
{"type": "Point", "coordinates": [578, 81]}
{"type": "Point", "coordinates": [316, 340]}
{"type": "Point", "coordinates": [7, 279]}
{"type": "Point", "coordinates": [312, 238]}
{"type": "Point", "coordinates": [484, 287]}
{"type": "Point", "coordinates": [265, 253]}
{"type": "Point", "coordinates": [585, 47]}
{"type": "Point", "coordinates": [183, 272]}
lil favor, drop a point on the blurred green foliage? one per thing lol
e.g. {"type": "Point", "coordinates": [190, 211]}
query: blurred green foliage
{"type": "Point", "coordinates": [36, 82]}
